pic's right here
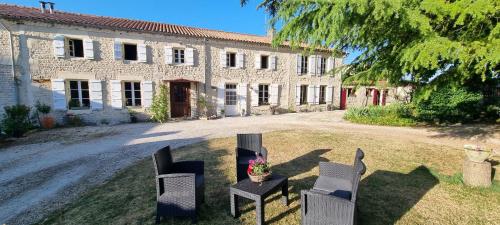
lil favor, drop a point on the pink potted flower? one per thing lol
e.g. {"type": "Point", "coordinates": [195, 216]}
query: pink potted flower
{"type": "Point", "coordinates": [258, 170]}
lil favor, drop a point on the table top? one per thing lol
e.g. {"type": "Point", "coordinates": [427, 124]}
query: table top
{"type": "Point", "coordinates": [263, 188]}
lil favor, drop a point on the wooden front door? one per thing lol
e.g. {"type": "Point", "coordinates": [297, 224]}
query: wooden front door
{"type": "Point", "coordinates": [343, 98]}
{"type": "Point", "coordinates": [179, 99]}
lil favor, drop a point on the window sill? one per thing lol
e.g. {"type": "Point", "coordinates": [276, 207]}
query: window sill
{"type": "Point", "coordinates": [132, 61]}
{"type": "Point", "coordinates": [72, 58]}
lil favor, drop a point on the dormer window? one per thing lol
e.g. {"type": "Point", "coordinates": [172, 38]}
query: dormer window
{"type": "Point", "coordinates": [130, 52]}
{"type": "Point", "coordinates": [75, 48]}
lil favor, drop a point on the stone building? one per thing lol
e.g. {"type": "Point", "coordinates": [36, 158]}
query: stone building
{"type": "Point", "coordinates": [101, 68]}
{"type": "Point", "coordinates": [380, 94]}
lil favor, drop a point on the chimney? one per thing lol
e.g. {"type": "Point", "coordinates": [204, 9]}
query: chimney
{"type": "Point", "coordinates": [42, 6]}
{"type": "Point", "coordinates": [271, 32]}
{"type": "Point", "coordinates": [51, 7]}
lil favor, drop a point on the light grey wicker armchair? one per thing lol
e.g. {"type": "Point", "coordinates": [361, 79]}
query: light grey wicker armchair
{"type": "Point", "coordinates": [180, 186]}
{"type": "Point", "coordinates": [332, 200]}
{"type": "Point", "coordinates": [249, 146]}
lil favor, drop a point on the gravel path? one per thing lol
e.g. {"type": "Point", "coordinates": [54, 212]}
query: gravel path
{"type": "Point", "coordinates": [37, 178]}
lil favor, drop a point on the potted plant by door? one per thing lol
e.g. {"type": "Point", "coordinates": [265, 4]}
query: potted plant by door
{"type": "Point", "coordinates": [258, 170]}
{"type": "Point", "coordinates": [46, 121]}
{"type": "Point", "coordinates": [203, 106]}
{"type": "Point", "coordinates": [222, 113]}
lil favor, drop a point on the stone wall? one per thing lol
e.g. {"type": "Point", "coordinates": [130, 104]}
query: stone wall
{"type": "Point", "coordinates": [393, 95]}
{"type": "Point", "coordinates": [38, 65]}
{"type": "Point", "coordinates": [7, 81]}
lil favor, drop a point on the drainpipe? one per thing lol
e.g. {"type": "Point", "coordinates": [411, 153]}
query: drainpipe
{"type": "Point", "coordinates": [13, 67]}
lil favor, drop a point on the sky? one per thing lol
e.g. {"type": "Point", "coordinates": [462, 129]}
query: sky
{"type": "Point", "coordinates": [226, 15]}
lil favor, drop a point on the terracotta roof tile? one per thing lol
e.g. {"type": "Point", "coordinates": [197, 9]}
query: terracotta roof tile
{"type": "Point", "coordinates": [14, 12]}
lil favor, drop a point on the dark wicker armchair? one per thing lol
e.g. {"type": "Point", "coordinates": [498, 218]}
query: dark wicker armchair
{"type": "Point", "coordinates": [249, 146]}
{"type": "Point", "coordinates": [332, 200]}
{"type": "Point", "coordinates": [179, 186]}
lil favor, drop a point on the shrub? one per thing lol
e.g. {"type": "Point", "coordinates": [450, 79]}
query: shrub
{"type": "Point", "coordinates": [73, 120]}
{"type": "Point", "coordinates": [393, 115]}
{"type": "Point", "coordinates": [42, 108]}
{"type": "Point", "coordinates": [16, 120]}
{"type": "Point", "coordinates": [160, 107]}
{"type": "Point", "coordinates": [449, 105]}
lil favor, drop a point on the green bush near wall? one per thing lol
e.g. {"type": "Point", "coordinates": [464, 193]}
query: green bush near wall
{"type": "Point", "coordinates": [391, 115]}
{"type": "Point", "coordinates": [16, 120]}
{"type": "Point", "coordinates": [447, 105]}
{"type": "Point", "coordinates": [160, 108]}
{"type": "Point", "coordinates": [450, 105]}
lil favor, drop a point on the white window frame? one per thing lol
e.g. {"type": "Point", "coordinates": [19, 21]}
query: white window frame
{"type": "Point", "coordinates": [322, 65]}
{"type": "Point", "coordinates": [322, 90]}
{"type": "Point", "coordinates": [304, 64]}
{"type": "Point", "coordinates": [231, 89]}
{"type": "Point", "coordinates": [179, 56]}
{"type": "Point", "coordinates": [261, 99]}
{"type": "Point", "coordinates": [80, 95]}
{"type": "Point", "coordinates": [303, 94]}
{"type": "Point", "coordinates": [132, 90]}
{"type": "Point", "coordinates": [228, 60]}
{"type": "Point", "coordinates": [71, 48]}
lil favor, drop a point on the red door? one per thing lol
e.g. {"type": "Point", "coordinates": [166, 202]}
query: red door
{"type": "Point", "coordinates": [343, 98]}
{"type": "Point", "coordinates": [375, 97]}
{"type": "Point", "coordinates": [384, 95]}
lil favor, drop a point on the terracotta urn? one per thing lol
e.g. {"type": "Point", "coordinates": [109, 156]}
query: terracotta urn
{"type": "Point", "coordinates": [47, 122]}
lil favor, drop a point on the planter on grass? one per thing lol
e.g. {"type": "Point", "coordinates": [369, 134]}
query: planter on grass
{"type": "Point", "coordinates": [477, 171]}
{"type": "Point", "coordinates": [476, 153]}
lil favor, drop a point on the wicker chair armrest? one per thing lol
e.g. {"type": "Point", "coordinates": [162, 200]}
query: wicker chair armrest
{"type": "Point", "coordinates": [197, 167]}
{"type": "Point", "coordinates": [337, 170]}
{"type": "Point", "coordinates": [179, 182]}
{"type": "Point", "coordinates": [327, 207]}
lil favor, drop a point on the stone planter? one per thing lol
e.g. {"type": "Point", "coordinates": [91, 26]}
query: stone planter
{"type": "Point", "coordinates": [477, 174]}
{"type": "Point", "coordinates": [476, 154]}
{"type": "Point", "coordinates": [259, 178]}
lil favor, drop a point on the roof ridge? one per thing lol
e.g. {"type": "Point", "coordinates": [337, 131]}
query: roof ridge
{"type": "Point", "coordinates": [135, 20]}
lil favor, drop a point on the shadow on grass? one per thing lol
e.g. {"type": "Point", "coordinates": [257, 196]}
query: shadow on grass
{"type": "Point", "coordinates": [386, 196]}
{"type": "Point", "coordinates": [479, 131]}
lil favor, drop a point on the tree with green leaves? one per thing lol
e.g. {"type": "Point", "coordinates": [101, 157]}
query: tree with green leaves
{"type": "Point", "coordinates": [160, 108]}
{"type": "Point", "coordinates": [433, 43]}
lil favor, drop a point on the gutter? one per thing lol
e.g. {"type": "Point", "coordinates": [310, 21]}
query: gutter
{"type": "Point", "coordinates": [13, 67]}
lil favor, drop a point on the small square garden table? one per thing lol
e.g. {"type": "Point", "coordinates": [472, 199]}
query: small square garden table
{"type": "Point", "coordinates": [258, 192]}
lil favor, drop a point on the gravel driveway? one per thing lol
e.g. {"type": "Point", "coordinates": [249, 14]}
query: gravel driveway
{"type": "Point", "coordinates": [38, 178]}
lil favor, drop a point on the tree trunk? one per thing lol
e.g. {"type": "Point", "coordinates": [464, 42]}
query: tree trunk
{"type": "Point", "coordinates": [477, 174]}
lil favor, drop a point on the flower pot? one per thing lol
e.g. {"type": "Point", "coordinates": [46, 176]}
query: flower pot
{"type": "Point", "coordinates": [259, 178]}
{"type": "Point", "coordinates": [47, 122]}
{"type": "Point", "coordinates": [476, 154]}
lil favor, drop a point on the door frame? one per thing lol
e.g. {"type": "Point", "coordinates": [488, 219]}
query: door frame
{"type": "Point", "coordinates": [187, 109]}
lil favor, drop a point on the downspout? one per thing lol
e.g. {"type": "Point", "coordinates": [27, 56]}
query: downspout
{"type": "Point", "coordinates": [13, 67]}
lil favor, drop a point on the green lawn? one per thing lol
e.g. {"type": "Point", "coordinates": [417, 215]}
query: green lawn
{"type": "Point", "coordinates": [406, 183]}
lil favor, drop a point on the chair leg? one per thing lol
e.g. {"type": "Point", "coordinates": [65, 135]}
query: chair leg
{"type": "Point", "coordinates": [194, 220]}
{"type": "Point", "coordinates": [157, 218]}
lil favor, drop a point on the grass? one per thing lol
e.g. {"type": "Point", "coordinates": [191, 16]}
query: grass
{"type": "Point", "coordinates": [391, 115]}
{"type": "Point", "coordinates": [406, 182]}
